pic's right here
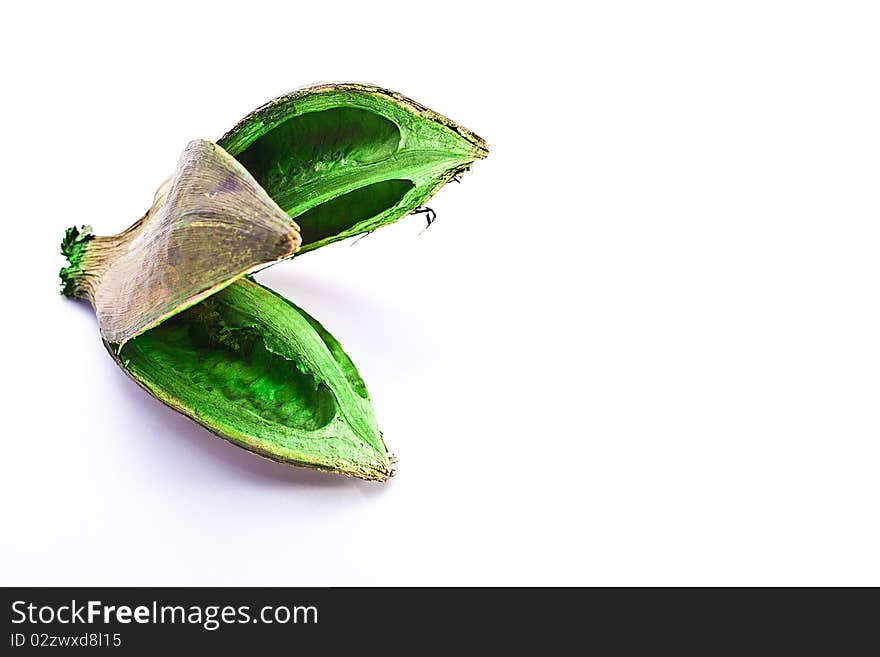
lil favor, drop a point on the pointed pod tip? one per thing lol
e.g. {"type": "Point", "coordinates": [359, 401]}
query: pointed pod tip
{"type": "Point", "coordinates": [372, 466]}
{"type": "Point", "coordinates": [379, 472]}
{"type": "Point", "coordinates": [389, 468]}
{"type": "Point", "coordinates": [481, 148]}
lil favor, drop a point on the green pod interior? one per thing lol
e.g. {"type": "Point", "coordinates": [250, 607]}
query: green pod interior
{"type": "Point", "coordinates": [345, 159]}
{"type": "Point", "coordinates": [258, 371]}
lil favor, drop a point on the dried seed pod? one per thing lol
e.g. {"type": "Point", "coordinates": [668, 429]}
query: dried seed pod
{"type": "Point", "coordinates": [178, 311]}
{"type": "Point", "coordinates": [179, 315]}
{"type": "Point", "coordinates": [345, 159]}
{"type": "Point", "coordinates": [258, 371]}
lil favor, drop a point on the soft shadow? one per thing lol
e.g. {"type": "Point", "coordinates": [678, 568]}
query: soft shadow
{"type": "Point", "coordinates": [389, 330]}
{"type": "Point", "coordinates": [80, 306]}
{"type": "Point", "coordinates": [314, 291]}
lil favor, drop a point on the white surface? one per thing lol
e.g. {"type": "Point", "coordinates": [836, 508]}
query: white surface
{"type": "Point", "coordinates": [639, 346]}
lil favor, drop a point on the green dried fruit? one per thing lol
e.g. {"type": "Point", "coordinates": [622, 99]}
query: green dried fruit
{"type": "Point", "coordinates": [345, 159]}
{"type": "Point", "coordinates": [255, 369]}
{"type": "Point", "coordinates": [179, 312]}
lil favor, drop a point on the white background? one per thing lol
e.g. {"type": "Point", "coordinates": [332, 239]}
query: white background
{"type": "Point", "coordinates": [641, 344]}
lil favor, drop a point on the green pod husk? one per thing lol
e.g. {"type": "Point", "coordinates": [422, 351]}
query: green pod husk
{"type": "Point", "coordinates": [255, 369]}
{"type": "Point", "coordinates": [344, 159]}
{"type": "Point", "coordinates": [179, 314]}
{"type": "Point", "coordinates": [178, 311]}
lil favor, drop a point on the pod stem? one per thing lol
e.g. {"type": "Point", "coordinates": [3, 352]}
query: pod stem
{"type": "Point", "coordinates": [89, 256]}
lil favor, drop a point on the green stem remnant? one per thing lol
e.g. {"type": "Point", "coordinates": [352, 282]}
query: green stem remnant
{"type": "Point", "coordinates": [89, 257]}
{"type": "Point", "coordinates": [73, 247]}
